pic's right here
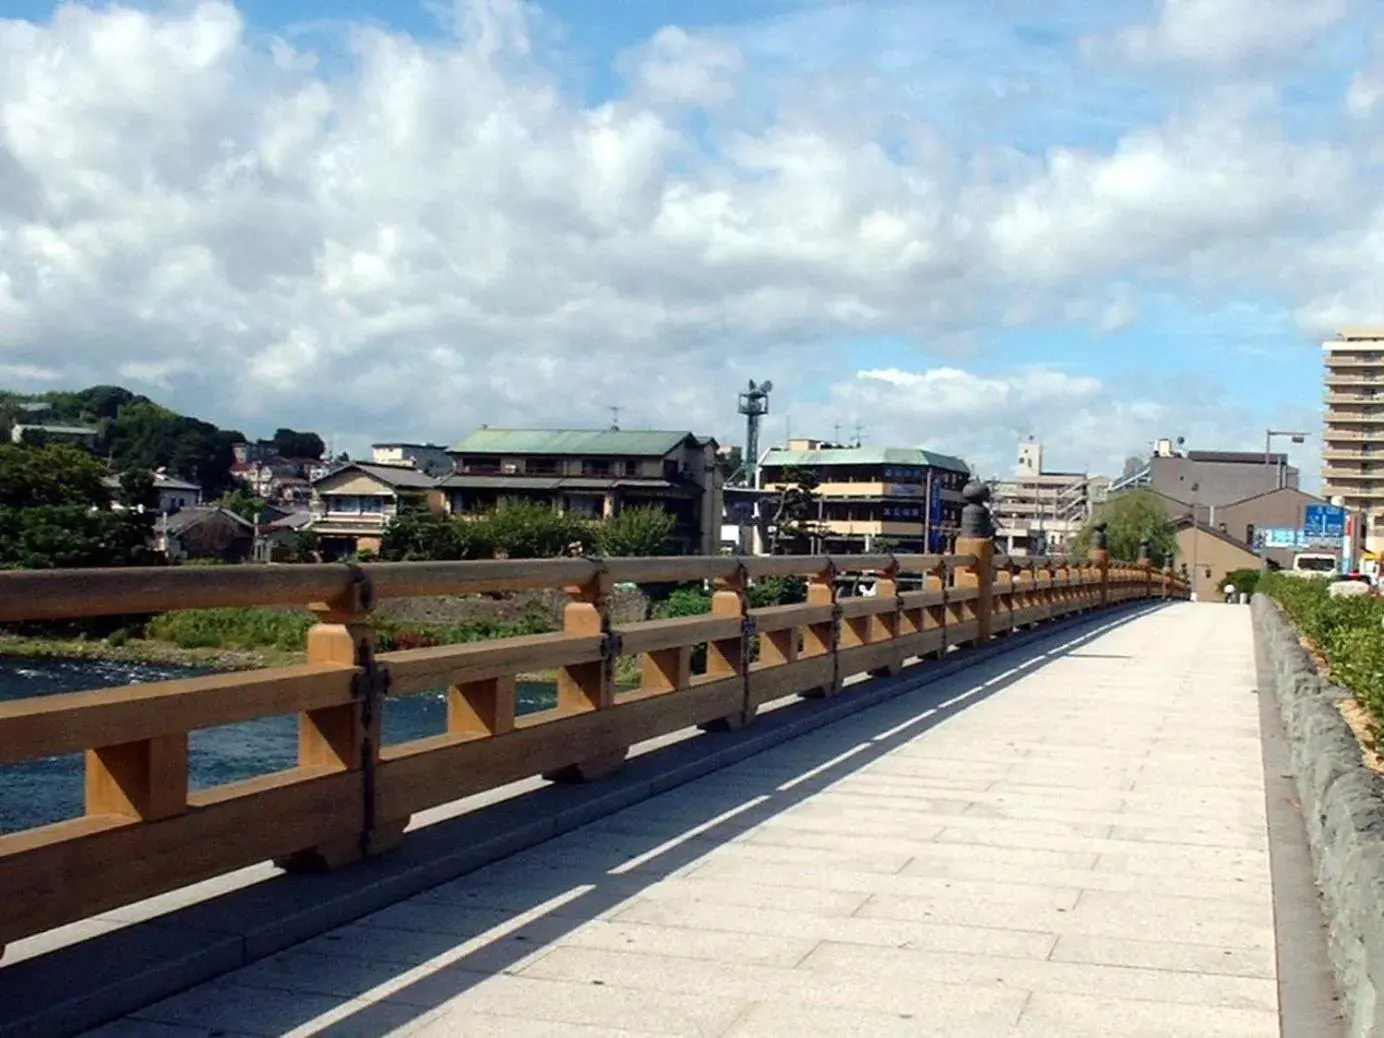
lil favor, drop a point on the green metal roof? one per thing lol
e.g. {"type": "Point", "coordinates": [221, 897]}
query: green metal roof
{"type": "Point", "coordinates": [644, 443]}
{"type": "Point", "coordinates": [915, 456]}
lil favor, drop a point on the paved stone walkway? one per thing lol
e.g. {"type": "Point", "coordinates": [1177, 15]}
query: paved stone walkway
{"type": "Point", "coordinates": [1073, 847]}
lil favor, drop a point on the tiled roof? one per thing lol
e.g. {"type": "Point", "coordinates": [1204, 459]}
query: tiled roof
{"type": "Point", "coordinates": [640, 443]}
{"type": "Point", "coordinates": [914, 456]}
{"type": "Point", "coordinates": [391, 475]}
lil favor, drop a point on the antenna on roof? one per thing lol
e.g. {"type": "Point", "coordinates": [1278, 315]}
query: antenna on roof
{"type": "Point", "coordinates": [859, 432]}
{"type": "Point", "coordinates": [614, 418]}
{"type": "Point", "coordinates": [836, 432]}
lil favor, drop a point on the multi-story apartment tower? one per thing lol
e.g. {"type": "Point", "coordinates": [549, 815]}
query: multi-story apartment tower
{"type": "Point", "coordinates": [1039, 511]}
{"type": "Point", "coordinates": [1353, 440]}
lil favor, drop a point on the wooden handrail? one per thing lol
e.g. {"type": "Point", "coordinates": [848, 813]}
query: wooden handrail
{"type": "Point", "coordinates": [144, 832]}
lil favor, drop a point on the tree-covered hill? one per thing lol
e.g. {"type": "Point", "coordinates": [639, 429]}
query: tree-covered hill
{"type": "Point", "coordinates": [138, 433]}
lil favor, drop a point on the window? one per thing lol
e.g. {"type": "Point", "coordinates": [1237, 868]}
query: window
{"type": "Point", "coordinates": [372, 505]}
{"type": "Point", "coordinates": [542, 466]}
{"type": "Point", "coordinates": [599, 467]}
{"type": "Point", "coordinates": [344, 504]}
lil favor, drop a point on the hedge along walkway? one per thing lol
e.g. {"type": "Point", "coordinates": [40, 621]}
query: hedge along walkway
{"type": "Point", "coordinates": [1080, 849]}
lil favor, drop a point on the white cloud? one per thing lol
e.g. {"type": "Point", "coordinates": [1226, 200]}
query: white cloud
{"type": "Point", "coordinates": [422, 235]}
{"type": "Point", "coordinates": [1195, 191]}
{"type": "Point", "coordinates": [1223, 34]}
{"type": "Point", "coordinates": [680, 67]}
{"type": "Point", "coordinates": [1086, 423]}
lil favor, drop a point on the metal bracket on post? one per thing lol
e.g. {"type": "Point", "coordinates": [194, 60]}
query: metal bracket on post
{"type": "Point", "coordinates": [370, 685]}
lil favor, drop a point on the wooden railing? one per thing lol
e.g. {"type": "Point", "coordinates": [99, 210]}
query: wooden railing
{"type": "Point", "coordinates": [144, 832]}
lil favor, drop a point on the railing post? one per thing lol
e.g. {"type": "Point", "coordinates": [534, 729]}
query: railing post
{"type": "Point", "coordinates": [347, 738]}
{"type": "Point", "coordinates": [935, 616]}
{"type": "Point", "coordinates": [884, 627]}
{"type": "Point", "coordinates": [977, 538]}
{"type": "Point", "coordinates": [1146, 566]}
{"type": "Point", "coordinates": [583, 687]}
{"type": "Point", "coordinates": [821, 639]}
{"type": "Point", "coordinates": [731, 657]}
{"type": "Point", "coordinates": [1167, 580]}
{"type": "Point", "coordinates": [1100, 558]}
{"type": "Point", "coordinates": [1062, 578]}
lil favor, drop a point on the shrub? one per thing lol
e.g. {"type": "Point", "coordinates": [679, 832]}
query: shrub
{"type": "Point", "coordinates": [233, 629]}
{"type": "Point", "coordinates": [1348, 632]}
{"type": "Point", "coordinates": [636, 532]}
{"type": "Point", "coordinates": [1243, 580]}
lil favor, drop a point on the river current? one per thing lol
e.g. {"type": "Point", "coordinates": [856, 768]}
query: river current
{"type": "Point", "coordinates": [49, 790]}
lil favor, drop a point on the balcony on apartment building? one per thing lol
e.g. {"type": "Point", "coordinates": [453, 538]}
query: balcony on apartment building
{"type": "Point", "coordinates": [351, 514]}
{"type": "Point", "coordinates": [1354, 359]}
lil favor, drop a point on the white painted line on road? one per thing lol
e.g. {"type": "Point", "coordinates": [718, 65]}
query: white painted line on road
{"type": "Point", "coordinates": [405, 977]}
{"type": "Point", "coordinates": [813, 772]}
{"type": "Point", "coordinates": [890, 733]}
{"type": "Point", "coordinates": [961, 698]}
{"type": "Point", "coordinates": [681, 838]}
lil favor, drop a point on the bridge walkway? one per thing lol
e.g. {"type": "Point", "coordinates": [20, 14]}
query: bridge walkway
{"type": "Point", "coordinates": [1067, 841]}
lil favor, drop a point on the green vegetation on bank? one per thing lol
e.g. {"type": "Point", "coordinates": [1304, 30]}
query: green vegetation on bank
{"type": "Point", "coordinates": [523, 530]}
{"type": "Point", "coordinates": [1347, 631]}
{"type": "Point", "coordinates": [287, 630]}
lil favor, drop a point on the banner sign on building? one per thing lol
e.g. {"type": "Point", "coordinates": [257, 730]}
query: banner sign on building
{"type": "Point", "coordinates": [1298, 540]}
{"type": "Point", "coordinates": [1326, 521]}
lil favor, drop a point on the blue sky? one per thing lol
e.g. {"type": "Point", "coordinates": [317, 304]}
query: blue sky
{"type": "Point", "coordinates": [1116, 221]}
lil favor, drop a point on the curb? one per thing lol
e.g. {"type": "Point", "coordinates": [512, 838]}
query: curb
{"type": "Point", "coordinates": [110, 975]}
{"type": "Point", "coordinates": [1343, 809]}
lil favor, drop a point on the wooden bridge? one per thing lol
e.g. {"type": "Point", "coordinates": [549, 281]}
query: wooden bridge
{"type": "Point", "coordinates": [971, 808]}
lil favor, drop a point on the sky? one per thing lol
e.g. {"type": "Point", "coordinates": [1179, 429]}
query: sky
{"type": "Point", "coordinates": [952, 223]}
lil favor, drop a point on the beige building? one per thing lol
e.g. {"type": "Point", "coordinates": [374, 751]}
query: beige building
{"type": "Point", "coordinates": [1039, 511]}
{"type": "Point", "coordinates": [594, 474]}
{"type": "Point", "coordinates": [1209, 555]}
{"type": "Point", "coordinates": [1353, 437]}
{"type": "Point", "coordinates": [869, 495]}
{"type": "Point", "coordinates": [352, 505]}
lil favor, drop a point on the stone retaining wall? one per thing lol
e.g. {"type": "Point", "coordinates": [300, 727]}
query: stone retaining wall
{"type": "Point", "coordinates": [1343, 808]}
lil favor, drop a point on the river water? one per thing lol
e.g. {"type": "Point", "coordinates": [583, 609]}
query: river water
{"type": "Point", "coordinates": [49, 790]}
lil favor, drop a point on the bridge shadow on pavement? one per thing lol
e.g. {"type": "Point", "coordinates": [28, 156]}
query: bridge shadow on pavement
{"type": "Point", "coordinates": [399, 964]}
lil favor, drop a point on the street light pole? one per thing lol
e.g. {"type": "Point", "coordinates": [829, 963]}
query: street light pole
{"type": "Point", "coordinates": [1269, 434]}
{"type": "Point", "coordinates": [1196, 538]}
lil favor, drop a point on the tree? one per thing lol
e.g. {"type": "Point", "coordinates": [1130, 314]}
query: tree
{"type": "Point", "coordinates": [55, 511]}
{"type": "Point", "coordinates": [244, 504]}
{"type": "Point", "coordinates": [530, 530]}
{"type": "Point", "coordinates": [58, 474]}
{"type": "Point", "coordinates": [420, 535]}
{"type": "Point", "coordinates": [1131, 517]}
{"type": "Point", "coordinates": [145, 435]}
{"type": "Point", "coordinates": [793, 521]}
{"type": "Point", "coordinates": [636, 532]}
{"type": "Point", "coordinates": [289, 443]}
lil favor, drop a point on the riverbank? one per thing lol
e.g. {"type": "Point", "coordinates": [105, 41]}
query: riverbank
{"type": "Point", "coordinates": [141, 650]}
{"type": "Point", "coordinates": [166, 654]}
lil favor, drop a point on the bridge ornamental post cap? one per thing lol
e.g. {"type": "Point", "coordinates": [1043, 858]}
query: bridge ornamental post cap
{"type": "Point", "coordinates": [1099, 539]}
{"type": "Point", "coordinates": [975, 516]}
{"type": "Point", "coordinates": [1145, 550]}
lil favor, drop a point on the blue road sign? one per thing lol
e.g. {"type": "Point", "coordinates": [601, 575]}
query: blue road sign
{"type": "Point", "coordinates": [1324, 521]}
